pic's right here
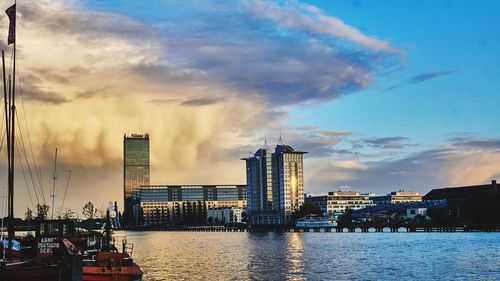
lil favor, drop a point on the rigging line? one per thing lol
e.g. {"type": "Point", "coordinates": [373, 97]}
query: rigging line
{"type": "Point", "coordinates": [39, 176]}
{"type": "Point", "coordinates": [25, 179]}
{"type": "Point", "coordinates": [26, 159]}
{"type": "Point", "coordinates": [3, 133]}
{"type": "Point", "coordinates": [66, 190]}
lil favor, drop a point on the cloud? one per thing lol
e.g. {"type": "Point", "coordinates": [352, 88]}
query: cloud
{"type": "Point", "coordinates": [203, 101]}
{"type": "Point", "coordinates": [203, 85]}
{"type": "Point", "coordinates": [454, 164]}
{"type": "Point", "coordinates": [473, 141]}
{"type": "Point", "coordinates": [429, 76]}
{"type": "Point", "coordinates": [395, 142]}
{"type": "Point", "coordinates": [311, 19]}
{"type": "Point", "coordinates": [248, 52]}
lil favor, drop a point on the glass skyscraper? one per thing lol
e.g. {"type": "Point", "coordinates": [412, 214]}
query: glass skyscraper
{"type": "Point", "coordinates": [275, 184]}
{"type": "Point", "coordinates": [135, 163]}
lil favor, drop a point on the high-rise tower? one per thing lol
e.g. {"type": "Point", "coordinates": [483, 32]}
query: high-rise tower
{"type": "Point", "coordinates": [135, 163]}
{"type": "Point", "coordinates": [275, 184]}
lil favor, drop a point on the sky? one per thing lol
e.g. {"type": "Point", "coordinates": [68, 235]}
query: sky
{"type": "Point", "coordinates": [383, 95]}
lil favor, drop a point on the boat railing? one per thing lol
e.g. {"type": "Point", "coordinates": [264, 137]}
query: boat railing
{"type": "Point", "coordinates": [128, 248]}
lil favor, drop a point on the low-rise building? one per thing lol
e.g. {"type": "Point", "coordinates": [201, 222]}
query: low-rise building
{"type": "Point", "coordinates": [411, 213]}
{"type": "Point", "coordinates": [171, 202]}
{"type": "Point", "coordinates": [337, 202]}
{"type": "Point", "coordinates": [225, 215]}
{"type": "Point", "coordinates": [397, 197]}
{"type": "Point", "coordinates": [475, 205]}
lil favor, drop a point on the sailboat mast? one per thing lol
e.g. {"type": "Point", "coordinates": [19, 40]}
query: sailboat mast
{"type": "Point", "coordinates": [7, 128]}
{"type": "Point", "coordinates": [54, 177]}
{"type": "Point", "coordinates": [12, 148]}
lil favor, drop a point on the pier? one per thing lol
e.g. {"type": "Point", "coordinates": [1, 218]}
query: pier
{"type": "Point", "coordinates": [353, 229]}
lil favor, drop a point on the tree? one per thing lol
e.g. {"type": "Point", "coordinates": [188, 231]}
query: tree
{"type": "Point", "coordinates": [346, 218]}
{"type": "Point", "coordinates": [42, 211]}
{"type": "Point", "coordinates": [29, 215]}
{"type": "Point", "coordinates": [307, 208]}
{"type": "Point", "coordinates": [183, 216]}
{"type": "Point", "coordinates": [89, 211]}
{"type": "Point", "coordinates": [244, 217]}
{"type": "Point", "coordinates": [157, 216]}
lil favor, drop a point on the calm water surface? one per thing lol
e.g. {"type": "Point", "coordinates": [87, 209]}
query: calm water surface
{"type": "Point", "coordinates": [316, 256]}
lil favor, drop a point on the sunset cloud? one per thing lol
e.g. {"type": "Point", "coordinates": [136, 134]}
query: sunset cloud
{"type": "Point", "coordinates": [208, 81]}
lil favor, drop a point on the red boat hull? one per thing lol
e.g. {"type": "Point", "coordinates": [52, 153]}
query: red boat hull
{"type": "Point", "coordinates": [103, 273]}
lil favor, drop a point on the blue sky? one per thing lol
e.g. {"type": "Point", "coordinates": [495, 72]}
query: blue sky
{"type": "Point", "coordinates": [384, 95]}
{"type": "Point", "coordinates": [460, 37]}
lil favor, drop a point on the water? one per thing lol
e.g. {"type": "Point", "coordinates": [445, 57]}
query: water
{"type": "Point", "coordinates": [316, 256]}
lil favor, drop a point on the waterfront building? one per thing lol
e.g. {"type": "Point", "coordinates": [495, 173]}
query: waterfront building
{"type": "Point", "coordinates": [337, 202]}
{"type": "Point", "coordinates": [475, 205]}
{"type": "Point", "coordinates": [225, 215]}
{"type": "Point", "coordinates": [397, 197]}
{"type": "Point", "coordinates": [275, 184]}
{"type": "Point", "coordinates": [135, 163]}
{"type": "Point", "coordinates": [176, 199]}
{"type": "Point", "coordinates": [411, 213]}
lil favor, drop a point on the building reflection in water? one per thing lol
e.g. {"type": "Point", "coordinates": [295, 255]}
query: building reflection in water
{"type": "Point", "coordinates": [276, 256]}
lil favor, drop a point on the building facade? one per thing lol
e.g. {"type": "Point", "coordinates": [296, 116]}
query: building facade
{"type": "Point", "coordinates": [396, 197]}
{"type": "Point", "coordinates": [136, 169]}
{"type": "Point", "coordinates": [275, 184]}
{"type": "Point", "coordinates": [225, 215]}
{"type": "Point", "coordinates": [337, 203]}
{"type": "Point", "coordinates": [175, 200]}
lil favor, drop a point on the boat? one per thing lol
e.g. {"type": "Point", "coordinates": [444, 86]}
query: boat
{"type": "Point", "coordinates": [49, 255]}
{"type": "Point", "coordinates": [107, 263]}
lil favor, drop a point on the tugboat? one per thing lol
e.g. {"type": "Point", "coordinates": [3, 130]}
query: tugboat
{"type": "Point", "coordinates": [48, 256]}
{"type": "Point", "coordinates": [108, 263]}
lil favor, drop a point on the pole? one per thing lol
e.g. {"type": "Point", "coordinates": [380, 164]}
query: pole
{"type": "Point", "coordinates": [54, 177]}
{"type": "Point", "coordinates": [12, 149]}
{"type": "Point", "coordinates": [7, 129]}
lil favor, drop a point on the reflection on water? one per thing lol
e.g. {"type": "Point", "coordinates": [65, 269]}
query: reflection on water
{"type": "Point", "coordinates": [316, 256]}
{"type": "Point", "coordinates": [275, 256]}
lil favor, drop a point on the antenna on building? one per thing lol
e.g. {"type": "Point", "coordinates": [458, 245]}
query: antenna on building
{"type": "Point", "coordinates": [280, 141]}
{"type": "Point", "coordinates": [266, 146]}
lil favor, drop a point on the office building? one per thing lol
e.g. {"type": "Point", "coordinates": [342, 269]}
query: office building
{"type": "Point", "coordinates": [135, 163]}
{"type": "Point", "coordinates": [337, 202]}
{"type": "Point", "coordinates": [275, 184]}
{"type": "Point", "coordinates": [224, 215]}
{"type": "Point", "coordinates": [397, 197]}
{"type": "Point", "coordinates": [175, 198]}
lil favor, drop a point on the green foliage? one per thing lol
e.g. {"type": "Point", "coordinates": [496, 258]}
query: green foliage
{"type": "Point", "coordinates": [89, 211]}
{"type": "Point", "coordinates": [42, 211]}
{"type": "Point", "coordinates": [29, 215]}
{"type": "Point", "coordinates": [307, 208]}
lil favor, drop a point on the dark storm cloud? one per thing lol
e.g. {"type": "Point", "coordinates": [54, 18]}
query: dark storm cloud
{"type": "Point", "coordinates": [202, 101]}
{"type": "Point", "coordinates": [253, 48]}
{"type": "Point", "coordinates": [31, 92]}
{"type": "Point", "coordinates": [428, 76]}
{"type": "Point", "coordinates": [264, 58]}
{"type": "Point", "coordinates": [101, 92]}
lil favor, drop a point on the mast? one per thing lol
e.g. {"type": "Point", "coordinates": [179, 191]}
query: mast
{"type": "Point", "coordinates": [54, 177]}
{"type": "Point", "coordinates": [7, 129]}
{"type": "Point", "coordinates": [11, 13]}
